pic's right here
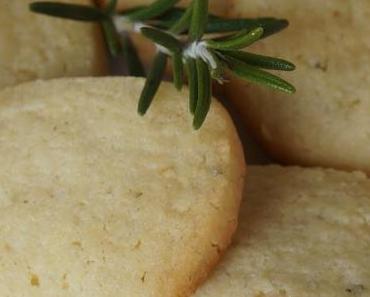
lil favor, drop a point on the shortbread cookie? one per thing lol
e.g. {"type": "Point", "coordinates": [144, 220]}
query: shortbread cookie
{"type": "Point", "coordinates": [96, 200]}
{"type": "Point", "coordinates": [35, 46]}
{"type": "Point", "coordinates": [327, 121]}
{"type": "Point", "coordinates": [302, 233]}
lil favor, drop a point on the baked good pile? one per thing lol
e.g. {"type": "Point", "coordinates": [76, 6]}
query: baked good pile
{"type": "Point", "coordinates": [97, 201]}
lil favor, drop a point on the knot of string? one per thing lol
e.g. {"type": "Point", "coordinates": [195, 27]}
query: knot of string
{"type": "Point", "coordinates": [124, 24]}
{"type": "Point", "coordinates": [198, 49]}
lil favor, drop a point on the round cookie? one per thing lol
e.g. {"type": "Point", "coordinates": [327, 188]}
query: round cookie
{"type": "Point", "coordinates": [96, 200]}
{"type": "Point", "coordinates": [326, 123]}
{"type": "Point", "coordinates": [302, 232]}
{"type": "Point", "coordinates": [35, 46]}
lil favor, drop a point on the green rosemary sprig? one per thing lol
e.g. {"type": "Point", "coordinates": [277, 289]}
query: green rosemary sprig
{"type": "Point", "coordinates": [182, 35]}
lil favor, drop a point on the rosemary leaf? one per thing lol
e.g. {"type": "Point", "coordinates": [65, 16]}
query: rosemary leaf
{"type": "Point", "coordinates": [178, 70]}
{"type": "Point", "coordinates": [270, 25]}
{"type": "Point", "coordinates": [255, 75]}
{"type": "Point", "coordinates": [111, 37]}
{"type": "Point", "coordinates": [218, 72]}
{"type": "Point", "coordinates": [204, 93]}
{"type": "Point", "coordinates": [149, 12]}
{"type": "Point", "coordinates": [162, 38]}
{"type": "Point", "coordinates": [191, 71]}
{"type": "Point", "coordinates": [152, 83]}
{"type": "Point", "coordinates": [111, 7]}
{"type": "Point", "coordinates": [237, 41]}
{"type": "Point", "coordinates": [134, 65]}
{"type": "Point", "coordinates": [261, 61]}
{"type": "Point", "coordinates": [169, 18]}
{"type": "Point", "coordinates": [199, 19]}
{"type": "Point", "coordinates": [68, 11]}
{"type": "Point", "coordinates": [183, 23]}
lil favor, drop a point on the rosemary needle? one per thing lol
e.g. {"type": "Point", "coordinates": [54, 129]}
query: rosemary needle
{"type": "Point", "coordinates": [155, 9]}
{"type": "Point", "coordinates": [261, 61]}
{"type": "Point", "coordinates": [68, 11]}
{"type": "Point", "coordinates": [191, 70]}
{"type": "Point", "coordinates": [199, 19]}
{"type": "Point", "coordinates": [255, 75]}
{"type": "Point", "coordinates": [178, 70]}
{"type": "Point", "coordinates": [153, 82]}
{"type": "Point", "coordinates": [204, 93]}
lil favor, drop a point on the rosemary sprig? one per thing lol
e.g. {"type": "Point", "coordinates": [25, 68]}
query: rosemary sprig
{"type": "Point", "coordinates": [181, 35]}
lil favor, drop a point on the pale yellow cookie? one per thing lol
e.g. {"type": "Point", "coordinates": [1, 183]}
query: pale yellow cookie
{"type": "Point", "coordinates": [36, 46]}
{"type": "Point", "coordinates": [302, 233]}
{"type": "Point", "coordinates": [97, 201]}
{"type": "Point", "coordinates": [327, 121]}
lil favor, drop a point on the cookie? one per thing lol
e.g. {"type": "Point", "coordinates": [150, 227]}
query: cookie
{"type": "Point", "coordinates": [96, 200]}
{"type": "Point", "coordinates": [326, 123]}
{"type": "Point", "coordinates": [35, 46]}
{"type": "Point", "coordinates": [302, 232]}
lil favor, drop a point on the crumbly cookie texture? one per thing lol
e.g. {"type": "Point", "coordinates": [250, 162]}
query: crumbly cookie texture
{"type": "Point", "coordinates": [326, 123]}
{"type": "Point", "coordinates": [96, 200]}
{"type": "Point", "coordinates": [302, 232]}
{"type": "Point", "coordinates": [35, 46]}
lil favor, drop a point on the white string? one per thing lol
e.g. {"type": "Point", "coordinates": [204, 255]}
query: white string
{"type": "Point", "coordinates": [162, 49]}
{"type": "Point", "coordinates": [138, 26]}
{"type": "Point", "coordinates": [124, 24]}
{"type": "Point", "coordinates": [199, 50]}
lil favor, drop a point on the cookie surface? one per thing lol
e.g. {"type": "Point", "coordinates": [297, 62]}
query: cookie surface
{"type": "Point", "coordinates": [326, 123]}
{"type": "Point", "coordinates": [98, 201]}
{"type": "Point", "coordinates": [302, 233]}
{"type": "Point", "coordinates": [35, 46]}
